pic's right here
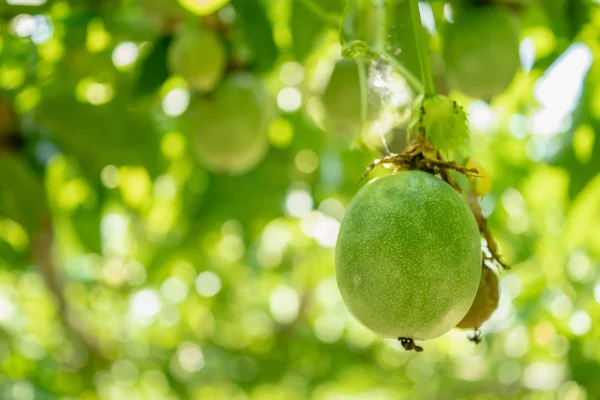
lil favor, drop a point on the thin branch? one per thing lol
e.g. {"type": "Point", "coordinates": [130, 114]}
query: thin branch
{"type": "Point", "coordinates": [42, 258]}
{"type": "Point", "coordinates": [362, 82]}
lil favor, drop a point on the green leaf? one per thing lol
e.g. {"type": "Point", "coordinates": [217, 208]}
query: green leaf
{"type": "Point", "coordinates": [305, 29]}
{"type": "Point", "coordinates": [400, 42]}
{"type": "Point", "coordinates": [307, 25]}
{"type": "Point", "coordinates": [22, 196]}
{"type": "Point", "coordinates": [114, 133]}
{"type": "Point", "coordinates": [566, 18]}
{"type": "Point", "coordinates": [154, 71]}
{"type": "Point", "coordinates": [86, 222]}
{"type": "Point", "coordinates": [11, 258]}
{"type": "Point", "coordinates": [252, 19]}
{"type": "Point", "coordinates": [445, 124]}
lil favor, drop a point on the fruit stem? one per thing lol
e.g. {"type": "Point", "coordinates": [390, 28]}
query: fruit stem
{"type": "Point", "coordinates": [331, 20]}
{"type": "Point", "coordinates": [422, 48]}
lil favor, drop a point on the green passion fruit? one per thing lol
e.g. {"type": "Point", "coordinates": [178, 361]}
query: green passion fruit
{"type": "Point", "coordinates": [199, 56]}
{"type": "Point", "coordinates": [486, 301]}
{"type": "Point", "coordinates": [229, 128]}
{"type": "Point", "coordinates": [481, 51]}
{"type": "Point", "coordinates": [408, 256]}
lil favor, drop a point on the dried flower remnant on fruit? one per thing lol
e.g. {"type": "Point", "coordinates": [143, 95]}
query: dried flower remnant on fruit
{"type": "Point", "coordinates": [485, 303]}
{"type": "Point", "coordinates": [409, 344]}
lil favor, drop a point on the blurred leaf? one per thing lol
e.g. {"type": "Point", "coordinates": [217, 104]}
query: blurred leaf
{"type": "Point", "coordinates": [305, 29]}
{"type": "Point", "coordinates": [154, 70]}
{"type": "Point", "coordinates": [22, 196]}
{"type": "Point", "coordinates": [400, 41]}
{"type": "Point", "coordinates": [255, 24]}
{"type": "Point", "coordinates": [9, 257]}
{"type": "Point", "coordinates": [567, 17]}
{"type": "Point", "coordinates": [126, 136]}
{"type": "Point", "coordinates": [86, 222]}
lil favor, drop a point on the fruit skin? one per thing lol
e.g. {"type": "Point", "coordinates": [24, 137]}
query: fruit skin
{"type": "Point", "coordinates": [481, 51]}
{"type": "Point", "coordinates": [408, 256]}
{"type": "Point", "coordinates": [229, 129]}
{"type": "Point", "coordinates": [199, 57]}
{"type": "Point", "coordinates": [485, 303]}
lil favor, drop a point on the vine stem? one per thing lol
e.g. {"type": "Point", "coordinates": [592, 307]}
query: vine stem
{"type": "Point", "coordinates": [71, 321]}
{"type": "Point", "coordinates": [331, 20]}
{"type": "Point", "coordinates": [422, 48]}
{"type": "Point", "coordinates": [362, 81]}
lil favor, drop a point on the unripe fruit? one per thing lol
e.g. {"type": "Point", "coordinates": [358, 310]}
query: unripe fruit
{"type": "Point", "coordinates": [229, 129]}
{"type": "Point", "coordinates": [199, 57]}
{"type": "Point", "coordinates": [481, 51]}
{"type": "Point", "coordinates": [408, 256]}
{"type": "Point", "coordinates": [164, 14]}
{"type": "Point", "coordinates": [203, 7]}
{"type": "Point", "coordinates": [360, 29]}
{"type": "Point", "coordinates": [486, 301]}
{"type": "Point", "coordinates": [341, 99]}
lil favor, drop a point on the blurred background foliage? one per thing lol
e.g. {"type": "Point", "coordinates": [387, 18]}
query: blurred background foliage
{"type": "Point", "coordinates": [173, 176]}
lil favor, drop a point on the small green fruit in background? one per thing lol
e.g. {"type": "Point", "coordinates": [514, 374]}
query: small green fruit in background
{"type": "Point", "coordinates": [341, 99]}
{"type": "Point", "coordinates": [481, 51]}
{"type": "Point", "coordinates": [203, 7]}
{"type": "Point", "coordinates": [199, 57]}
{"type": "Point", "coordinates": [229, 129]}
{"type": "Point", "coordinates": [163, 14]}
{"type": "Point", "coordinates": [408, 256]}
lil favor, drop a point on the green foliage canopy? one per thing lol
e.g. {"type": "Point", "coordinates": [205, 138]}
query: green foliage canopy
{"type": "Point", "coordinates": [129, 269]}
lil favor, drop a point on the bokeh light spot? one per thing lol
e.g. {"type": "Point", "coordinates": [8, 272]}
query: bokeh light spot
{"type": "Point", "coordinates": [284, 304]}
{"type": "Point", "coordinates": [190, 357]}
{"type": "Point", "coordinates": [307, 161]}
{"type": "Point", "coordinates": [125, 55]}
{"type": "Point", "coordinates": [281, 132]}
{"type": "Point", "coordinates": [176, 102]}
{"type": "Point", "coordinates": [208, 284]}
{"type": "Point", "coordinates": [145, 304]}
{"type": "Point", "coordinates": [289, 99]}
{"type": "Point", "coordinates": [298, 203]}
{"type": "Point", "coordinates": [580, 323]}
{"type": "Point", "coordinates": [291, 73]}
